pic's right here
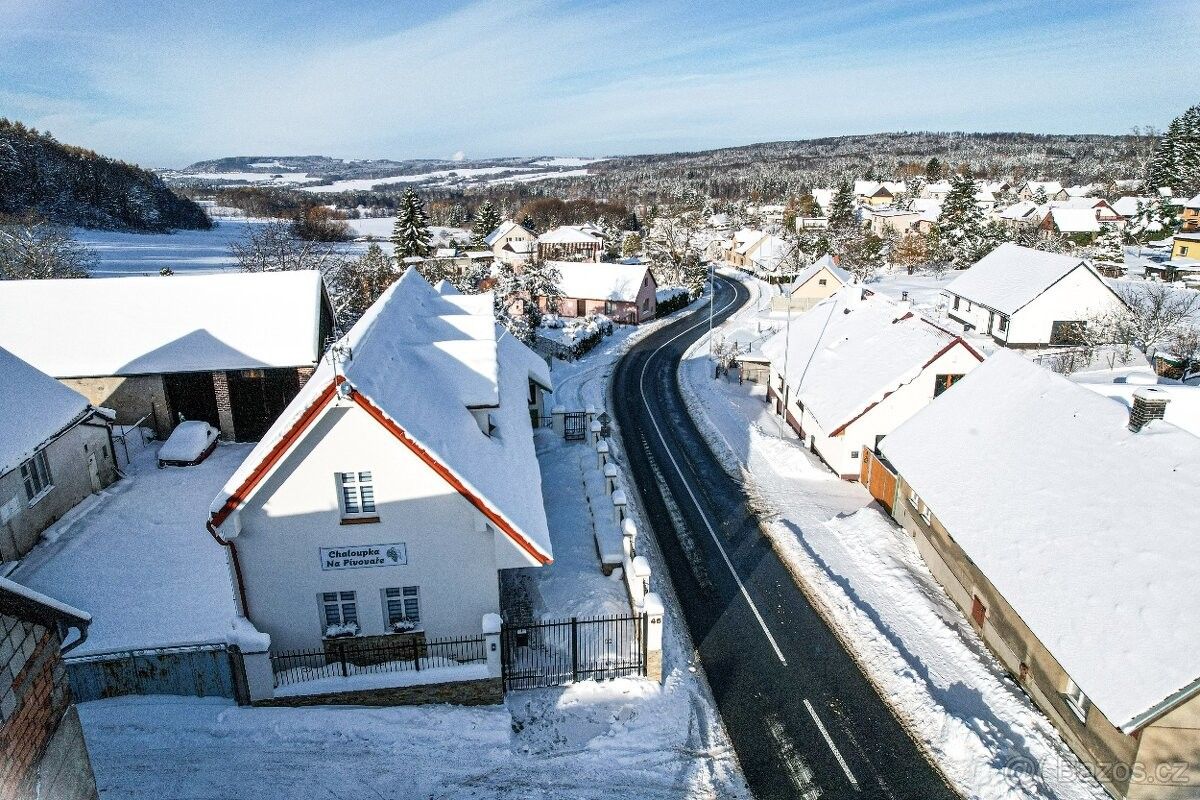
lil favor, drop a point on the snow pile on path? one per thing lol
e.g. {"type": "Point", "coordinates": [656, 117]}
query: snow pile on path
{"type": "Point", "coordinates": [137, 557]}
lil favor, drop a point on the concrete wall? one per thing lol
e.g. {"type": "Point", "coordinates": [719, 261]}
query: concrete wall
{"type": "Point", "coordinates": [44, 752]}
{"type": "Point", "coordinates": [132, 398]}
{"type": "Point", "coordinates": [71, 478]}
{"type": "Point", "coordinates": [1112, 756]}
{"type": "Point", "coordinates": [482, 692]}
{"type": "Point", "coordinates": [452, 556]}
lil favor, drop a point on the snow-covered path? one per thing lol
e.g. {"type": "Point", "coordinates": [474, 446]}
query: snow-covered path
{"type": "Point", "coordinates": [871, 584]}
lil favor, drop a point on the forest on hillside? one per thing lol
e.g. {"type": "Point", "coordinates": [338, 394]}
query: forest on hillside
{"type": "Point", "coordinates": [43, 178]}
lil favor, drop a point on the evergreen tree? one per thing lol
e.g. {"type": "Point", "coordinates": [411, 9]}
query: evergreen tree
{"type": "Point", "coordinates": [841, 206]}
{"type": "Point", "coordinates": [934, 169]}
{"type": "Point", "coordinates": [960, 225]}
{"type": "Point", "coordinates": [1039, 196]}
{"type": "Point", "coordinates": [1107, 251]}
{"type": "Point", "coordinates": [631, 244]}
{"type": "Point", "coordinates": [509, 300]}
{"type": "Point", "coordinates": [410, 235]}
{"type": "Point", "coordinates": [541, 283]}
{"type": "Point", "coordinates": [486, 221]}
{"type": "Point", "coordinates": [367, 277]}
{"type": "Point", "coordinates": [457, 216]}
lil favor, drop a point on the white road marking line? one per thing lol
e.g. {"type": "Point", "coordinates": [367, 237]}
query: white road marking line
{"type": "Point", "coordinates": [833, 747]}
{"type": "Point", "coordinates": [711, 532]}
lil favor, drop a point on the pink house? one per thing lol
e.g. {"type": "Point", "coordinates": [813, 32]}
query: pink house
{"type": "Point", "coordinates": [623, 292]}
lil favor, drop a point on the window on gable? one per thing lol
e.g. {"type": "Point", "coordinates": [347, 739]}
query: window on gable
{"type": "Point", "coordinates": [978, 611]}
{"type": "Point", "coordinates": [402, 604]}
{"type": "Point", "coordinates": [956, 299]}
{"type": "Point", "coordinates": [1003, 323]}
{"type": "Point", "coordinates": [822, 282]}
{"type": "Point", "coordinates": [357, 495]}
{"type": "Point", "coordinates": [339, 613]}
{"type": "Point", "coordinates": [35, 474]}
{"type": "Point", "coordinates": [944, 381]}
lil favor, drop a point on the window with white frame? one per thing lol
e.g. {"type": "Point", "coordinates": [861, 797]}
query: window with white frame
{"type": "Point", "coordinates": [402, 607]}
{"type": "Point", "coordinates": [1077, 700]}
{"type": "Point", "coordinates": [357, 495]}
{"type": "Point", "coordinates": [925, 515]}
{"type": "Point", "coordinates": [339, 613]}
{"type": "Point", "coordinates": [35, 473]}
{"type": "Point", "coordinates": [914, 499]}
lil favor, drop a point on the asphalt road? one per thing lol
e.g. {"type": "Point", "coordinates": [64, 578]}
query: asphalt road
{"type": "Point", "coordinates": [803, 719]}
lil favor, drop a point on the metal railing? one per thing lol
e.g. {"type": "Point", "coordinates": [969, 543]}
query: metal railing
{"type": "Point", "coordinates": [557, 652]}
{"type": "Point", "coordinates": [342, 658]}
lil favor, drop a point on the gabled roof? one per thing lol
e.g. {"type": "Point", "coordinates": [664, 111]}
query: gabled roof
{"type": "Point", "coordinates": [825, 262]}
{"type": "Point", "coordinates": [418, 361]}
{"type": "Point", "coordinates": [33, 408]}
{"type": "Point", "coordinates": [21, 602]}
{"type": "Point", "coordinates": [746, 238]}
{"type": "Point", "coordinates": [568, 234]}
{"type": "Point", "coordinates": [769, 252]}
{"type": "Point", "coordinates": [1051, 188]}
{"type": "Point", "coordinates": [1075, 220]}
{"type": "Point", "coordinates": [1011, 276]}
{"type": "Point", "coordinates": [845, 355]}
{"type": "Point", "coordinates": [601, 281]}
{"type": "Point", "coordinates": [504, 229]}
{"type": "Point", "coordinates": [1128, 206]}
{"type": "Point", "coordinates": [1193, 204]}
{"type": "Point", "coordinates": [1019, 211]}
{"type": "Point", "coordinates": [181, 323]}
{"type": "Point", "coordinates": [1086, 529]}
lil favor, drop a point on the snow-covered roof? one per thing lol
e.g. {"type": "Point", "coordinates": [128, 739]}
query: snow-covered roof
{"type": "Point", "coordinates": [568, 234]}
{"type": "Point", "coordinates": [846, 354]}
{"type": "Point", "coordinates": [422, 359]}
{"type": "Point", "coordinates": [1183, 401]}
{"type": "Point", "coordinates": [745, 238]}
{"type": "Point", "coordinates": [1080, 191]}
{"type": "Point", "coordinates": [870, 188]}
{"type": "Point", "coordinates": [822, 197]}
{"type": "Point", "coordinates": [601, 281]}
{"type": "Point", "coordinates": [938, 187]}
{"type": "Point", "coordinates": [1128, 206]}
{"type": "Point", "coordinates": [33, 408]}
{"type": "Point", "coordinates": [1085, 528]}
{"type": "Point", "coordinates": [1075, 220]}
{"type": "Point", "coordinates": [18, 599]}
{"type": "Point", "coordinates": [1019, 211]}
{"type": "Point", "coordinates": [1010, 276]}
{"type": "Point", "coordinates": [824, 262]}
{"type": "Point", "coordinates": [1049, 187]}
{"type": "Point", "coordinates": [183, 323]}
{"type": "Point", "coordinates": [769, 252]}
{"type": "Point", "coordinates": [1193, 204]}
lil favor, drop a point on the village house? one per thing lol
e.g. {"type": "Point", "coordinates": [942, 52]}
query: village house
{"type": "Point", "coordinates": [1019, 216]}
{"type": "Point", "coordinates": [1023, 297]}
{"type": "Point", "coordinates": [813, 284]}
{"type": "Point", "coordinates": [1050, 190]}
{"type": "Point", "coordinates": [622, 292]}
{"type": "Point", "coordinates": [231, 349]}
{"type": "Point", "coordinates": [570, 243]}
{"type": "Point", "coordinates": [1189, 215]}
{"type": "Point", "coordinates": [758, 251]}
{"type": "Point", "coordinates": [55, 450]}
{"type": "Point", "coordinates": [846, 373]}
{"type": "Point", "coordinates": [1072, 223]}
{"type": "Point", "coordinates": [884, 221]}
{"type": "Point", "coordinates": [877, 193]}
{"type": "Point", "coordinates": [1060, 523]}
{"type": "Point", "coordinates": [1182, 266]}
{"type": "Point", "coordinates": [40, 734]}
{"type": "Point", "coordinates": [936, 190]}
{"type": "Point", "coordinates": [398, 485]}
{"type": "Point", "coordinates": [511, 243]}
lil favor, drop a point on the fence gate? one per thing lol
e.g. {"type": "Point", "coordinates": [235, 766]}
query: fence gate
{"type": "Point", "coordinates": [197, 671]}
{"type": "Point", "coordinates": [557, 652]}
{"type": "Point", "coordinates": [575, 426]}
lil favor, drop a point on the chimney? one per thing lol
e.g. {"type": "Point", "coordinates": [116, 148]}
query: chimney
{"type": "Point", "coordinates": [1148, 404]}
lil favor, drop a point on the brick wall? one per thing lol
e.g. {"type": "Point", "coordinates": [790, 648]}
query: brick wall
{"type": "Point", "coordinates": [34, 695]}
{"type": "Point", "coordinates": [224, 405]}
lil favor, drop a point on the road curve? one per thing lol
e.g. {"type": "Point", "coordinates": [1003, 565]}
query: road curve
{"type": "Point", "coordinates": [803, 719]}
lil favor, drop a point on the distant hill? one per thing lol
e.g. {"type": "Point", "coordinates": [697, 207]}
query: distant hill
{"type": "Point", "coordinates": [73, 186]}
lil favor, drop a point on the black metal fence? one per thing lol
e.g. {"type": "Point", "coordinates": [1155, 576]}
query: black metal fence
{"type": "Point", "coordinates": [575, 426]}
{"type": "Point", "coordinates": [553, 653]}
{"type": "Point", "coordinates": [342, 658]}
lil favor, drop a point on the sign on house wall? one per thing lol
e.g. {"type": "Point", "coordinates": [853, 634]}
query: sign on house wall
{"type": "Point", "coordinates": [360, 556]}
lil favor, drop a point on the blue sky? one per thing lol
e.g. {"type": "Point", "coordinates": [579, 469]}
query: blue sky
{"type": "Point", "coordinates": [165, 84]}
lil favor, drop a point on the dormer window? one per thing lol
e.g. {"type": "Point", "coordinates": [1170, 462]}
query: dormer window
{"type": "Point", "coordinates": [485, 420]}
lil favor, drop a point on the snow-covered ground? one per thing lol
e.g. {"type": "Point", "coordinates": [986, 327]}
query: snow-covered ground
{"type": "Point", "coordinates": [873, 587]}
{"type": "Point", "coordinates": [138, 558]}
{"type": "Point", "coordinates": [443, 175]}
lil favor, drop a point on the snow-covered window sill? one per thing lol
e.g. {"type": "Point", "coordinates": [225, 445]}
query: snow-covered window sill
{"type": "Point", "coordinates": [359, 520]}
{"type": "Point", "coordinates": [37, 498]}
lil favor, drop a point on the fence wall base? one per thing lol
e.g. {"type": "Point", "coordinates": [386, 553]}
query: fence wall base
{"type": "Point", "coordinates": [482, 692]}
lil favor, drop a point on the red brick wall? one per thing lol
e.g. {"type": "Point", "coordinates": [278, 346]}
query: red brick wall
{"type": "Point", "coordinates": [34, 695]}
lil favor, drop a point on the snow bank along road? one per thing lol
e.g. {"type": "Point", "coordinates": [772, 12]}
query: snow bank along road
{"type": "Point", "coordinates": [803, 719]}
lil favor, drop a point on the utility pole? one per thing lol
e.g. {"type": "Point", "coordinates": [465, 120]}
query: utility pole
{"type": "Point", "coordinates": [712, 293]}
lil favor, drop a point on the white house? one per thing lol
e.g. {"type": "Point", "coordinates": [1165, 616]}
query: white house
{"type": "Point", "coordinates": [511, 242]}
{"type": "Point", "coordinates": [55, 450]}
{"type": "Point", "coordinates": [571, 243]}
{"type": "Point", "coordinates": [1023, 297]}
{"type": "Point", "coordinates": [1052, 190]}
{"type": "Point", "coordinates": [846, 373]}
{"type": "Point", "coordinates": [398, 484]}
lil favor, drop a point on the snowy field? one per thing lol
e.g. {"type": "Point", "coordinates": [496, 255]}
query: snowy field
{"type": "Point", "coordinates": [872, 585]}
{"type": "Point", "coordinates": [137, 557]}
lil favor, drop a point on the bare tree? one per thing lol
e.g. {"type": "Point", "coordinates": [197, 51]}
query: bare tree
{"type": "Point", "coordinates": [35, 250]}
{"type": "Point", "coordinates": [273, 248]}
{"type": "Point", "coordinates": [1155, 314]}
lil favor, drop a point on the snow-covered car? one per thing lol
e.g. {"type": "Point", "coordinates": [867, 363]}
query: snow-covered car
{"type": "Point", "coordinates": [190, 443]}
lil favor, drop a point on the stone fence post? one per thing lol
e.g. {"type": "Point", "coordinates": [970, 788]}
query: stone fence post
{"type": "Point", "coordinates": [652, 607]}
{"type": "Point", "coordinates": [629, 532]}
{"type": "Point", "coordinates": [558, 420]}
{"type": "Point", "coordinates": [595, 428]}
{"type": "Point", "coordinates": [610, 477]}
{"type": "Point", "coordinates": [491, 635]}
{"type": "Point", "coordinates": [601, 454]}
{"type": "Point", "coordinates": [619, 500]}
{"type": "Point", "coordinates": [253, 657]}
